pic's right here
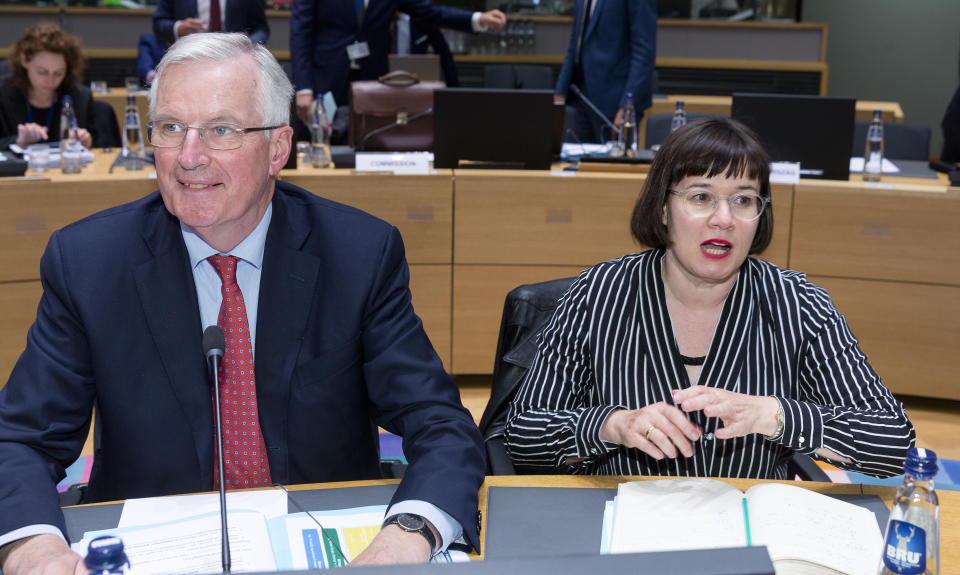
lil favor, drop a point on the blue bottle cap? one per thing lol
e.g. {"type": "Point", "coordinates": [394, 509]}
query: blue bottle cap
{"type": "Point", "coordinates": [921, 463]}
{"type": "Point", "coordinates": [105, 554]}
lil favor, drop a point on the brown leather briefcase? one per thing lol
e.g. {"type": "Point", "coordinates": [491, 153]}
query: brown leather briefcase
{"type": "Point", "coordinates": [392, 113]}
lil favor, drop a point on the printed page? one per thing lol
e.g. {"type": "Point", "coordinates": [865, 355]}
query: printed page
{"type": "Point", "coordinates": [322, 539]}
{"type": "Point", "coordinates": [151, 510]}
{"type": "Point", "coordinates": [796, 523]}
{"type": "Point", "coordinates": [677, 514]}
{"type": "Point", "coordinates": [193, 545]}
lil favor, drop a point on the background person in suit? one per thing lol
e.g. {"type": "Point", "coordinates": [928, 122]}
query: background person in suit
{"type": "Point", "coordinates": [128, 292]}
{"type": "Point", "coordinates": [46, 65]}
{"type": "Point", "coordinates": [150, 51]}
{"type": "Point", "coordinates": [176, 18]}
{"type": "Point", "coordinates": [334, 42]}
{"type": "Point", "coordinates": [611, 54]}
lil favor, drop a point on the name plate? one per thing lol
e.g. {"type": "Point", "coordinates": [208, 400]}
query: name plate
{"type": "Point", "coordinates": [784, 173]}
{"type": "Point", "coordinates": [396, 162]}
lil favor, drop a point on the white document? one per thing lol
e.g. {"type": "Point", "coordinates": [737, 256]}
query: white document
{"type": "Point", "coordinates": [193, 546]}
{"type": "Point", "coordinates": [856, 165]}
{"type": "Point", "coordinates": [151, 510]}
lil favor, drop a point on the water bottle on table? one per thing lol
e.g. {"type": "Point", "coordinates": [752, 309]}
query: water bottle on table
{"type": "Point", "coordinates": [873, 153]}
{"type": "Point", "coordinates": [679, 117]}
{"type": "Point", "coordinates": [106, 556]}
{"type": "Point", "coordinates": [320, 131]}
{"type": "Point", "coordinates": [132, 153]}
{"type": "Point", "coordinates": [70, 147]}
{"type": "Point", "coordinates": [911, 544]}
{"type": "Point", "coordinates": [627, 143]}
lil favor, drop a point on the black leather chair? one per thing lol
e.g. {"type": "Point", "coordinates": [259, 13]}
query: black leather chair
{"type": "Point", "coordinates": [526, 311]}
{"type": "Point", "coordinates": [658, 126]}
{"type": "Point", "coordinates": [900, 141]}
{"type": "Point", "coordinates": [517, 77]}
{"type": "Point", "coordinates": [108, 129]}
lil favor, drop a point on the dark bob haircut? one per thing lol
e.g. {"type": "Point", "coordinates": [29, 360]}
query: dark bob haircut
{"type": "Point", "coordinates": [705, 147]}
{"type": "Point", "coordinates": [46, 37]}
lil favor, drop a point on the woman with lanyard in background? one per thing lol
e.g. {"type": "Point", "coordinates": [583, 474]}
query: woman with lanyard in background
{"type": "Point", "coordinates": [47, 64]}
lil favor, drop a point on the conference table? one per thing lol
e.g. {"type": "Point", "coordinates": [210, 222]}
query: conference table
{"type": "Point", "coordinates": [544, 516]}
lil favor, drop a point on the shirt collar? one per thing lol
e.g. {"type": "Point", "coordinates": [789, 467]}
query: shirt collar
{"type": "Point", "coordinates": [249, 250]}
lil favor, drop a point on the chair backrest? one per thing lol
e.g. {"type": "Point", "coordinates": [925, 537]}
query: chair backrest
{"type": "Point", "coordinates": [658, 126]}
{"type": "Point", "coordinates": [900, 141]}
{"type": "Point", "coordinates": [107, 126]}
{"type": "Point", "coordinates": [525, 313]}
{"type": "Point", "coordinates": [517, 77]}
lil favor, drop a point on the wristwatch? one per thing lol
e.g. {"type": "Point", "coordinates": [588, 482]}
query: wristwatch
{"type": "Point", "coordinates": [779, 432]}
{"type": "Point", "coordinates": [414, 524]}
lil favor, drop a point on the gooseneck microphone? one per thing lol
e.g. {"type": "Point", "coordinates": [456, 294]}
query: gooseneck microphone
{"type": "Point", "coordinates": [214, 345]}
{"type": "Point", "coordinates": [596, 111]}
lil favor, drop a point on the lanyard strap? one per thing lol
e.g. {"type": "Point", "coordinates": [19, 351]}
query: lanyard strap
{"type": "Point", "coordinates": [49, 113]}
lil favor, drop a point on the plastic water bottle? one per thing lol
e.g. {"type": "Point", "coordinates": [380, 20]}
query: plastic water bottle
{"type": "Point", "coordinates": [873, 153]}
{"type": "Point", "coordinates": [105, 556]}
{"type": "Point", "coordinates": [319, 136]}
{"type": "Point", "coordinates": [627, 143]}
{"type": "Point", "coordinates": [679, 117]}
{"type": "Point", "coordinates": [69, 152]}
{"type": "Point", "coordinates": [132, 136]}
{"type": "Point", "coordinates": [911, 544]}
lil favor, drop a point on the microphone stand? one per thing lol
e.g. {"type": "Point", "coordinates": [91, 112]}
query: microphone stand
{"type": "Point", "coordinates": [225, 539]}
{"type": "Point", "coordinates": [596, 111]}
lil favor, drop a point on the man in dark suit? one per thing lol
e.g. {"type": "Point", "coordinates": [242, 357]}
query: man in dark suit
{"type": "Point", "coordinates": [149, 52]}
{"type": "Point", "coordinates": [174, 19]}
{"type": "Point", "coordinates": [318, 291]}
{"type": "Point", "coordinates": [334, 42]}
{"type": "Point", "coordinates": [610, 56]}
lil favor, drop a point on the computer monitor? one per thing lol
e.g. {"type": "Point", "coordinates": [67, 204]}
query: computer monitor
{"type": "Point", "coordinates": [493, 128]}
{"type": "Point", "coordinates": [816, 131]}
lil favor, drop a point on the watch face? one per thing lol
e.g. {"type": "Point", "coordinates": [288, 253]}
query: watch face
{"type": "Point", "coordinates": [410, 522]}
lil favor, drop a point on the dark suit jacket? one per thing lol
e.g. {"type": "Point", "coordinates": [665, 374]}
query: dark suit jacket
{"type": "Point", "coordinates": [617, 56]}
{"type": "Point", "coordinates": [247, 16]}
{"type": "Point", "coordinates": [339, 351]}
{"type": "Point", "coordinates": [13, 111]}
{"type": "Point", "coordinates": [422, 37]}
{"type": "Point", "coordinates": [321, 30]}
{"type": "Point", "coordinates": [150, 50]}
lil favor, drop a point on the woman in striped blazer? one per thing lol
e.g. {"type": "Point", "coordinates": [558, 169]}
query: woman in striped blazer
{"type": "Point", "coordinates": [694, 359]}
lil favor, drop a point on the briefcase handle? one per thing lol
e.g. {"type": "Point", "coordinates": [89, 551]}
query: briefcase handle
{"type": "Point", "coordinates": [399, 79]}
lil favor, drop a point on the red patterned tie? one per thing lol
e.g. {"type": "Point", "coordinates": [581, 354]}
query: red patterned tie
{"type": "Point", "coordinates": [215, 25]}
{"type": "Point", "coordinates": [244, 454]}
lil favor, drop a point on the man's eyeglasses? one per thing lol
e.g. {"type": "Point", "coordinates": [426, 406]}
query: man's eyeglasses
{"type": "Point", "coordinates": [216, 136]}
{"type": "Point", "coordinates": [745, 206]}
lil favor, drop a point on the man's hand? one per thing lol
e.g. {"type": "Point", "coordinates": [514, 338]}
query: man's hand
{"type": "Point", "coordinates": [30, 133]}
{"type": "Point", "coordinates": [741, 414]}
{"type": "Point", "coordinates": [393, 546]}
{"type": "Point", "coordinates": [559, 99]}
{"type": "Point", "coordinates": [304, 105]}
{"type": "Point", "coordinates": [189, 26]}
{"type": "Point", "coordinates": [41, 555]}
{"type": "Point", "coordinates": [618, 122]}
{"type": "Point", "coordinates": [659, 430]}
{"type": "Point", "coordinates": [493, 19]}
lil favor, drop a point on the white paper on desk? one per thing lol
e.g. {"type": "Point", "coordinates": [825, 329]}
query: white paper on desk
{"type": "Point", "coordinates": [647, 518]}
{"type": "Point", "coordinates": [856, 165]}
{"type": "Point", "coordinates": [151, 510]}
{"type": "Point", "coordinates": [575, 150]}
{"type": "Point", "coordinates": [193, 545]}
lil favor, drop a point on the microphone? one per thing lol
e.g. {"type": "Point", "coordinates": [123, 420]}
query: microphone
{"type": "Point", "coordinates": [214, 345]}
{"type": "Point", "coordinates": [596, 111]}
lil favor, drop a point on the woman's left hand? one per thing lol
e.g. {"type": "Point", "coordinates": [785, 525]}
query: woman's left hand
{"type": "Point", "coordinates": [741, 414]}
{"type": "Point", "coordinates": [85, 138]}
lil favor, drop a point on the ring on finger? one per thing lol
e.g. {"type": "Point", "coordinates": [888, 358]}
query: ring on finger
{"type": "Point", "coordinates": [649, 431]}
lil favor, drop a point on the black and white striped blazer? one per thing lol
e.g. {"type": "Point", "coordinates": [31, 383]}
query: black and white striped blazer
{"type": "Point", "coordinates": [610, 345]}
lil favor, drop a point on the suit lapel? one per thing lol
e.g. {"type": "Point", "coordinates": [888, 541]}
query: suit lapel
{"type": "Point", "coordinates": [168, 297]}
{"type": "Point", "coordinates": [288, 283]}
{"type": "Point", "coordinates": [592, 19]}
